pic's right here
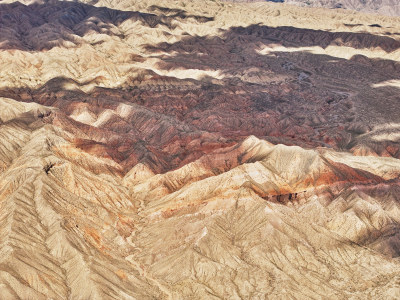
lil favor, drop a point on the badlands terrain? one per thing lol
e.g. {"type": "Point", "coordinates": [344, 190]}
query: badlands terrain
{"type": "Point", "coordinates": [198, 150]}
{"type": "Point", "coordinates": [385, 7]}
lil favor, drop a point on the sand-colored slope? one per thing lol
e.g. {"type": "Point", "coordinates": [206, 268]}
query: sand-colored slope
{"type": "Point", "coordinates": [385, 7]}
{"type": "Point", "coordinates": [198, 150]}
{"type": "Point", "coordinates": [190, 69]}
{"type": "Point", "coordinates": [45, 254]}
{"type": "Point", "coordinates": [279, 218]}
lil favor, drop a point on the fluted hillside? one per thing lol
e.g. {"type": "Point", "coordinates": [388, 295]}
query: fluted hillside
{"type": "Point", "coordinates": [198, 150]}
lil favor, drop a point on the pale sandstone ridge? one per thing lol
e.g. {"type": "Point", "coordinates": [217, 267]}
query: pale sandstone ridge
{"type": "Point", "coordinates": [251, 220]}
{"type": "Point", "coordinates": [198, 150]}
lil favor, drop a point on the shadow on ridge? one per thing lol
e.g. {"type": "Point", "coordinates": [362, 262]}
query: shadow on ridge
{"type": "Point", "coordinates": [333, 95]}
{"type": "Point", "coordinates": [180, 14]}
{"type": "Point", "coordinates": [287, 97]}
{"type": "Point", "coordinates": [291, 37]}
{"type": "Point", "coordinates": [36, 27]}
{"type": "Point", "coordinates": [238, 54]}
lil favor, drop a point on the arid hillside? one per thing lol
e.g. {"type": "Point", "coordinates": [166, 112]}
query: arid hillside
{"type": "Point", "coordinates": [384, 7]}
{"type": "Point", "coordinates": [198, 150]}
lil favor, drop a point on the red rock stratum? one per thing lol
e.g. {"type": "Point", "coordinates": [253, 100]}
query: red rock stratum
{"type": "Point", "coordinates": [198, 150]}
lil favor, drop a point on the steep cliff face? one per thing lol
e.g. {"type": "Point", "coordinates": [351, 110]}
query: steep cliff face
{"type": "Point", "coordinates": [198, 151]}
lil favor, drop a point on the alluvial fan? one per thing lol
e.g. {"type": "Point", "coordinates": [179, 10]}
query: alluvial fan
{"type": "Point", "coordinates": [198, 150]}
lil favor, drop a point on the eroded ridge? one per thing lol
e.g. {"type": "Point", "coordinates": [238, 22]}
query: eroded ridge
{"type": "Point", "coordinates": [198, 150]}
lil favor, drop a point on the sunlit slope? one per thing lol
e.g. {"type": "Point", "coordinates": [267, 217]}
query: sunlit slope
{"type": "Point", "coordinates": [144, 69]}
{"type": "Point", "coordinates": [284, 217]}
{"type": "Point", "coordinates": [198, 150]}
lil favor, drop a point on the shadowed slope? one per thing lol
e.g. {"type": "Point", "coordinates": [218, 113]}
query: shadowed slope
{"type": "Point", "coordinates": [198, 150]}
{"type": "Point", "coordinates": [38, 27]}
{"type": "Point", "coordinates": [284, 95]}
{"type": "Point", "coordinates": [385, 7]}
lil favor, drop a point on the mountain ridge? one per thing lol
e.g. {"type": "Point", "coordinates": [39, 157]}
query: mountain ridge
{"type": "Point", "coordinates": [198, 150]}
{"type": "Point", "coordinates": [382, 7]}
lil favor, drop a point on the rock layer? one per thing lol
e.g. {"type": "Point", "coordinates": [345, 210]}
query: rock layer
{"type": "Point", "coordinates": [197, 151]}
